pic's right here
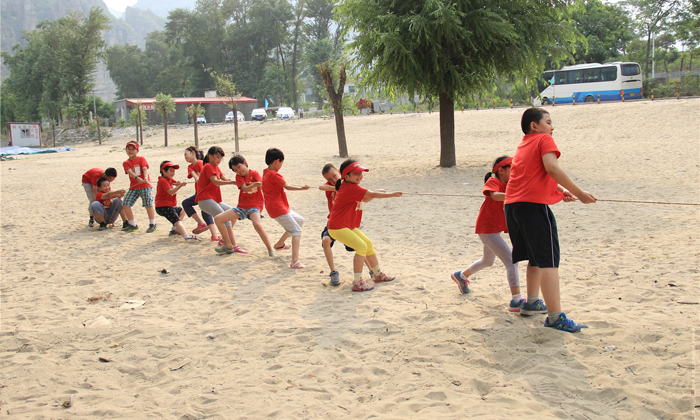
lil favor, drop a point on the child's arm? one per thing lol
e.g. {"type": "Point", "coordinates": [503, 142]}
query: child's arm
{"type": "Point", "coordinates": [326, 187]}
{"type": "Point", "coordinates": [498, 196]}
{"type": "Point", "coordinates": [175, 188]}
{"type": "Point", "coordinates": [145, 173]}
{"type": "Point", "coordinates": [195, 175]}
{"type": "Point", "coordinates": [132, 174]}
{"type": "Point", "coordinates": [214, 180]}
{"type": "Point", "coordinates": [112, 194]}
{"type": "Point", "coordinates": [551, 165]}
{"type": "Point", "coordinates": [250, 185]}
{"type": "Point", "coordinates": [295, 188]}
{"type": "Point", "coordinates": [380, 194]}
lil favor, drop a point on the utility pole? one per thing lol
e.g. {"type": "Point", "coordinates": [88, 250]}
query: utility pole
{"type": "Point", "coordinates": [97, 118]}
{"type": "Point", "coordinates": [653, 54]}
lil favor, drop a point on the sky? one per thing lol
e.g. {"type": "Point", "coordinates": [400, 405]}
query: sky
{"type": "Point", "coordinates": [119, 5]}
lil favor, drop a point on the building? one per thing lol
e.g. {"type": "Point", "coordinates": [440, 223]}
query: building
{"type": "Point", "coordinates": [215, 108]}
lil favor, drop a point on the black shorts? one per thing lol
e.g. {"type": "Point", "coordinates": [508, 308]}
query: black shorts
{"type": "Point", "coordinates": [533, 234]}
{"type": "Point", "coordinates": [325, 234]}
{"type": "Point", "coordinates": [170, 213]}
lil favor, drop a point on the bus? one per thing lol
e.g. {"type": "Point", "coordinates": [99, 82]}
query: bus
{"type": "Point", "coordinates": [590, 82]}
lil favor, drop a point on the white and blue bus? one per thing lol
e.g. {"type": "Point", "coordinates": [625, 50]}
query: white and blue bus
{"type": "Point", "coordinates": [589, 82]}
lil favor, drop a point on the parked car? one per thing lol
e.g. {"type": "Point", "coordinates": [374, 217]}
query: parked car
{"type": "Point", "coordinates": [285, 112]}
{"type": "Point", "coordinates": [258, 114]}
{"type": "Point", "coordinates": [201, 119]}
{"type": "Point", "coordinates": [229, 117]}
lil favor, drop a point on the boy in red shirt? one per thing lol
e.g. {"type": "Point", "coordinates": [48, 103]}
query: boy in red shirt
{"type": "Point", "coordinates": [137, 169]}
{"type": "Point", "coordinates": [166, 199]}
{"type": "Point", "coordinates": [107, 204]}
{"type": "Point", "coordinates": [278, 207]}
{"type": "Point", "coordinates": [250, 205]}
{"type": "Point", "coordinates": [90, 185]}
{"type": "Point", "coordinates": [536, 181]}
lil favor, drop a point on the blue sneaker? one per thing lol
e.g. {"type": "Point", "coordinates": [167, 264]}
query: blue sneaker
{"type": "Point", "coordinates": [335, 278]}
{"type": "Point", "coordinates": [527, 309]}
{"type": "Point", "coordinates": [515, 306]}
{"type": "Point", "coordinates": [564, 324]}
{"type": "Point", "coordinates": [462, 284]}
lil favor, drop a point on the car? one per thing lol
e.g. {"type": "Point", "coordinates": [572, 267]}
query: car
{"type": "Point", "coordinates": [285, 112]}
{"type": "Point", "coordinates": [201, 119]}
{"type": "Point", "coordinates": [229, 117]}
{"type": "Point", "coordinates": [258, 114]}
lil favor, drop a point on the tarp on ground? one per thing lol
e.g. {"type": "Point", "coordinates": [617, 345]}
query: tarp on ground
{"type": "Point", "coordinates": [19, 150]}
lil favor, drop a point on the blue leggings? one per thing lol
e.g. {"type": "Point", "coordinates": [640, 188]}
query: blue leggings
{"type": "Point", "coordinates": [189, 203]}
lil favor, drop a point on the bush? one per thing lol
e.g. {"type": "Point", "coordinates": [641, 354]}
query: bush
{"type": "Point", "coordinates": [121, 122]}
{"type": "Point", "coordinates": [92, 128]}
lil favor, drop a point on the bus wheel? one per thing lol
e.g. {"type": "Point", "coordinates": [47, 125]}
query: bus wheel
{"type": "Point", "coordinates": [545, 101]}
{"type": "Point", "coordinates": [589, 99]}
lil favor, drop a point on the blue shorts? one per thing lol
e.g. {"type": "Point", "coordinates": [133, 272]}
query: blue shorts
{"type": "Point", "coordinates": [245, 213]}
{"type": "Point", "coordinates": [146, 195]}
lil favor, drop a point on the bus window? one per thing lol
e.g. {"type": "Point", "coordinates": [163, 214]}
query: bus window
{"type": "Point", "coordinates": [591, 75]}
{"type": "Point", "coordinates": [560, 78]}
{"type": "Point", "coordinates": [575, 76]}
{"type": "Point", "coordinates": [608, 74]}
{"type": "Point", "coordinates": [630, 69]}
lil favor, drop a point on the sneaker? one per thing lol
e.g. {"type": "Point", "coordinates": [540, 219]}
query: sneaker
{"type": "Point", "coordinates": [191, 238]}
{"type": "Point", "coordinates": [564, 324]}
{"type": "Point", "coordinates": [173, 232]}
{"type": "Point", "coordinates": [103, 226]}
{"type": "Point", "coordinates": [515, 306]}
{"type": "Point", "coordinates": [125, 225]}
{"type": "Point", "coordinates": [335, 278]}
{"type": "Point", "coordinates": [462, 284]}
{"type": "Point", "coordinates": [151, 228]}
{"type": "Point", "coordinates": [131, 228]}
{"type": "Point", "coordinates": [199, 229]}
{"type": "Point", "coordinates": [382, 278]}
{"type": "Point", "coordinates": [361, 286]}
{"type": "Point", "coordinates": [91, 223]}
{"type": "Point", "coordinates": [527, 309]}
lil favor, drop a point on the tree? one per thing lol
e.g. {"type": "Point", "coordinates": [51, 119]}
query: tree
{"type": "Point", "coordinates": [336, 97]}
{"type": "Point", "coordinates": [194, 112]}
{"type": "Point", "coordinates": [652, 15]}
{"type": "Point", "coordinates": [165, 104]}
{"type": "Point", "coordinates": [225, 88]}
{"type": "Point", "coordinates": [452, 48]}
{"type": "Point", "coordinates": [607, 29]}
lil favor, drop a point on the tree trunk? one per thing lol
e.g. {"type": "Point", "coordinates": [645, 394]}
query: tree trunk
{"type": "Point", "coordinates": [646, 60]}
{"type": "Point", "coordinates": [340, 131]}
{"type": "Point", "coordinates": [165, 126]}
{"type": "Point", "coordinates": [447, 131]}
{"type": "Point", "coordinates": [53, 129]}
{"type": "Point", "coordinates": [196, 138]}
{"type": "Point", "coordinates": [337, 102]}
{"type": "Point", "coordinates": [99, 133]}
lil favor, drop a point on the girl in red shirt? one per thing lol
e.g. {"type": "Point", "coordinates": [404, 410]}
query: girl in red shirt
{"type": "Point", "coordinates": [194, 157]}
{"type": "Point", "coordinates": [489, 225]}
{"type": "Point", "coordinates": [345, 219]}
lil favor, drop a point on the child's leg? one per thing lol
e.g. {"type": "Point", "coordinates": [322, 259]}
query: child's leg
{"type": "Point", "coordinates": [500, 248]}
{"type": "Point", "coordinates": [488, 257]}
{"type": "Point", "coordinates": [353, 240]}
{"type": "Point", "coordinates": [220, 220]}
{"type": "Point", "coordinates": [151, 214]}
{"type": "Point", "coordinates": [257, 224]}
{"type": "Point", "coordinates": [97, 211]}
{"type": "Point", "coordinates": [328, 252]}
{"type": "Point", "coordinates": [182, 214]}
{"type": "Point", "coordinates": [280, 243]}
{"type": "Point", "coordinates": [180, 228]}
{"type": "Point", "coordinates": [115, 209]}
{"type": "Point", "coordinates": [296, 236]}
{"type": "Point", "coordinates": [546, 279]}
{"type": "Point", "coordinates": [209, 221]}
{"type": "Point", "coordinates": [188, 205]}
{"type": "Point", "coordinates": [291, 222]}
{"type": "Point", "coordinates": [90, 197]}
{"type": "Point", "coordinates": [129, 213]}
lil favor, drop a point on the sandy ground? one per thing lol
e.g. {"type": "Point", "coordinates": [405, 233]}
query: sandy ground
{"type": "Point", "coordinates": [243, 336]}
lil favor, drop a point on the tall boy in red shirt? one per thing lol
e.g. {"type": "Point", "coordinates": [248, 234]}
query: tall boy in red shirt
{"type": "Point", "coordinates": [536, 181]}
{"type": "Point", "coordinates": [278, 207]}
{"type": "Point", "coordinates": [137, 169]}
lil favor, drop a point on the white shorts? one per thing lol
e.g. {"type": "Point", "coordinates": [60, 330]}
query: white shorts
{"type": "Point", "coordinates": [291, 222]}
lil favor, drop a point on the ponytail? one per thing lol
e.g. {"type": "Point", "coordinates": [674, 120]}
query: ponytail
{"type": "Point", "coordinates": [488, 175]}
{"type": "Point", "coordinates": [338, 183]}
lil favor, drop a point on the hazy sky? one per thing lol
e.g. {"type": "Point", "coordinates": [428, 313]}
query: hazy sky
{"type": "Point", "coordinates": [119, 5]}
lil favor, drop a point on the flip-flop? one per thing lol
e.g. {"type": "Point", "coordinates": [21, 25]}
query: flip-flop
{"type": "Point", "coordinates": [283, 247]}
{"type": "Point", "coordinates": [297, 265]}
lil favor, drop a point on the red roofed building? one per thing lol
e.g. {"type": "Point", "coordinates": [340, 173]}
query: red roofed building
{"type": "Point", "coordinates": [215, 108]}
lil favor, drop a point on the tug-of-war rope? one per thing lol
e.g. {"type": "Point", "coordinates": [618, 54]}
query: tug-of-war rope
{"type": "Point", "coordinates": [599, 199]}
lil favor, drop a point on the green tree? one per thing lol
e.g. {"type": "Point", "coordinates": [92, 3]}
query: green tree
{"type": "Point", "coordinates": [652, 16]}
{"type": "Point", "coordinates": [688, 30]}
{"type": "Point", "coordinates": [452, 48]}
{"type": "Point", "coordinates": [128, 68]}
{"type": "Point", "coordinates": [225, 88]}
{"type": "Point", "coordinates": [607, 29]}
{"type": "Point", "coordinates": [194, 112]}
{"type": "Point", "coordinates": [336, 98]}
{"type": "Point", "coordinates": [165, 104]}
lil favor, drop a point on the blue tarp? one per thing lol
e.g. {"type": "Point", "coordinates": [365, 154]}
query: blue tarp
{"type": "Point", "coordinates": [18, 150]}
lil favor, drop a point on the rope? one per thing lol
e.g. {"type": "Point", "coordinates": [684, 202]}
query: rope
{"type": "Point", "coordinates": [600, 199]}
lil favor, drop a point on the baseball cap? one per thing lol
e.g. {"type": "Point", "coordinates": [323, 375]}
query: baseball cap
{"type": "Point", "coordinates": [133, 143]}
{"type": "Point", "coordinates": [168, 164]}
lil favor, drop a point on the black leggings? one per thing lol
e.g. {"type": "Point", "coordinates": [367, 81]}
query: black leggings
{"type": "Point", "coordinates": [170, 213]}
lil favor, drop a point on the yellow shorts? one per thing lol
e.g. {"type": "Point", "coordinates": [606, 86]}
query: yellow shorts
{"type": "Point", "coordinates": [355, 239]}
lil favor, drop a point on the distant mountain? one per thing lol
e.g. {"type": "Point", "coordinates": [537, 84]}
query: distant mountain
{"type": "Point", "coordinates": [116, 13]}
{"type": "Point", "coordinates": [161, 8]}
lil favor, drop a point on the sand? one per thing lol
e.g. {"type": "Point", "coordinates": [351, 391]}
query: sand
{"type": "Point", "coordinates": [243, 336]}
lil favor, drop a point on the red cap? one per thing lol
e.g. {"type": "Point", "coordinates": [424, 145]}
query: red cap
{"type": "Point", "coordinates": [354, 168]}
{"type": "Point", "coordinates": [133, 143]}
{"type": "Point", "coordinates": [168, 164]}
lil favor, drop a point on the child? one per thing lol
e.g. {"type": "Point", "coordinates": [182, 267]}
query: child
{"type": "Point", "coordinates": [194, 157]}
{"type": "Point", "coordinates": [489, 225]}
{"type": "Point", "coordinates": [250, 204]}
{"type": "Point", "coordinates": [345, 219]}
{"type": "Point", "coordinates": [209, 191]}
{"type": "Point", "coordinates": [536, 181]}
{"type": "Point", "coordinates": [331, 174]}
{"type": "Point", "coordinates": [278, 207]}
{"type": "Point", "coordinates": [137, 169]}
{"type": "Point", "coordinates": [107, 204]}
{"type": "Point", "coordinates": [90, 185]}
{"type": "Point", "coordinates": [166, 199]}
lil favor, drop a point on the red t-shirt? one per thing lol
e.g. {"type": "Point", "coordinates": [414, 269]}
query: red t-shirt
{"type": "Point", "coordinates": [163, 199]}
{"type": "Point", "coordinates": [92, 175]}
{"type": "Point", "coordinates": [206, 190]}
{"type": "Point", "coordinates": [275, 197]}
{"type": "Point", "coordinates": [253, 198]}
{"type": "Point", "coordinates": [137, 166]}
{"type": "Point", "coordinates": [347, 207]}
{"type": "Point", "coordinates": [529, 182]}
{"type": "Point", "coordinates": [491, 217]}
{"type": "Point", "coordinates": [330, 196]}
{"type": "Point", "coordinates": [106, 203]}
{"type": "Point", "coordinates": [197, 167]}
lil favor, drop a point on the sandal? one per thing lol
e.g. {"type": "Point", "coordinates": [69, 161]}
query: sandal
{"type": "Point", "coordinates": [283, 247]}
{"type": "Point", "coordinates": [191, 238]}
{"type": "Point", "coordinates": [361, 286]}
{"type": "Point", "coordinates": [215, 238]}
{"type": "Point", "coordinates": [297, 265]}
{"type": "Point", "coordinates": [239, 250]}
{"type": "Point", "coordinates": [383, 278]}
